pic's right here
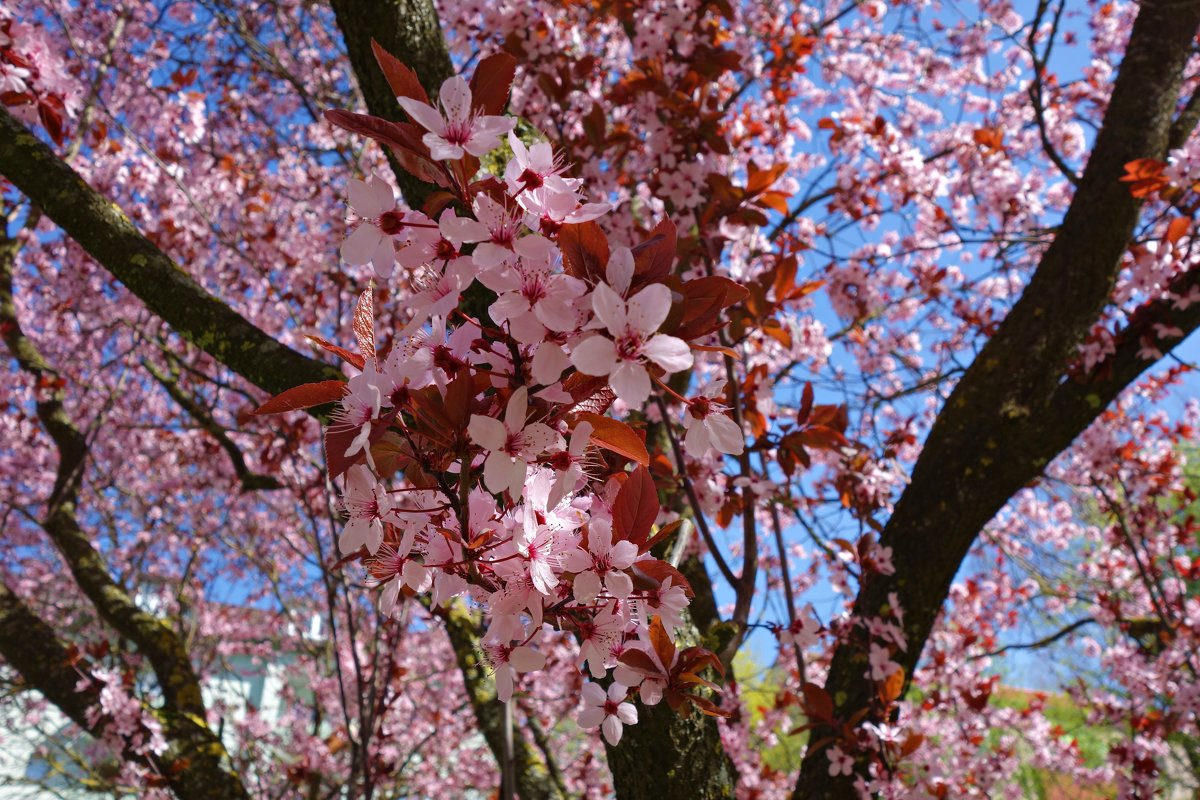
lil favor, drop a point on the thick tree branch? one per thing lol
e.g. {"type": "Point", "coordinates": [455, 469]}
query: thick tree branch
{"type": "Point", "coordinates": [410, 30]}
{"type": "Point", "coordinates": [534, 780]}
{"type": "Point", "coordinates": [250, 480]}
{"type": "Point", "coordinates": [1010, 414]}
{"type": "Point", "coordinates": [204, 770]}
{"type": "Point", "coordinates": [33, 649]}
{"type": "Point", "coordinates": [108, 236]}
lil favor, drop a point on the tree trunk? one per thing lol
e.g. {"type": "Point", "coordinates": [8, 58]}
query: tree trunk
{"type": "Point", "coordinates": [1016, 408]}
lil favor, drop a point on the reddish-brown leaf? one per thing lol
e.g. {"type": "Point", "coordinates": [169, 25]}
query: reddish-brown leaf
{"type": "Point", "coordinates": [403, 138]}
{"type": "Point", "coordinates": [822, 438]}
{"type": "Point", "coordinates": [891, 686]}
{"type": "Point", "coordinates": [703, 300]}
{"type": "Point", "coordinates": [806, 404]}
{"type": "Point", "coordinates": [364, 323]}
{"type": "Point", "coordinates": [585, 251]}
{"type": "Point", "coordinates": [664, 646]}
{"type": "Point", "coordinates": [640, 660]}
{"type": "Point", "coordinates": [304, 396]}
{"type": "Point", "coordinates": [491, 81]}
{"type": "Point", "coordinates": [403, 80]}
{"type": "Point", "coordinates": [337, 440]}
{"type": "Point", "coordinates": [911, 743]}
{"type": "Point", "coordinates": [1177, 229]}
{"type": "Point", "coordinates": [354, 359]}
{"type": "Point", "coordinates": [694, 659]}
{"type": "Point", "coordinates": [635, 508]}
{"type": "Point", "coordinates": [663, 532]}
{"type": "Point", "coordinates": [817, 702]}
{"type": "Point", "coordinates": [658, 571]}
{"type": "Point", "coordinates": [616, 436]}
{"type": "Point", "coordinates": [707, 707]}
{"type": "Point", "coordinates": [653, 258]}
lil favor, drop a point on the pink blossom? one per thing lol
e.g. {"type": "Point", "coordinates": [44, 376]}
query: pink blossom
{"type": "Point", "coordinates": [839, 762]}
{"type": "Point", "coordinates": [507, 662]}
{"type": "Point", "coordinates": [458, 128]}
{"type": "Point", "coordinates": [366, 501]}
{"type": "Point", "coordinates": [512, 444]}
{"type": "Point", "coordinates": [607, 710]}
{"type": "Point", "coordinates": [709, 426]}
{"type": "Point", "coordinates": [602, 564]}
{"type": "Point", "coordinates": [632, 327]}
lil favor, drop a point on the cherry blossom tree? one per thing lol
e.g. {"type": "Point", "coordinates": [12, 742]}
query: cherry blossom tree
{"type": "Point", "coordinates": [630, 337]}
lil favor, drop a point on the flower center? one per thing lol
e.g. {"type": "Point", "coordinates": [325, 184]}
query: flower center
{"type": "Point", "coordinates": [700, 407]}
{"type": "Point", "coordinates": [513, 443]}
{"type": "Point", "coordinates": [458, 132]}
{"type": "Point", "coordinates": [533, 289]}
{"type": "Point", "coordinates": [391, 222]}
{"type": "Point", "coordinates": [560, 461]}
{"type": "Point", "coordinates": [530, 179]}
{"type": "Point", "coordinates": [629, 346]}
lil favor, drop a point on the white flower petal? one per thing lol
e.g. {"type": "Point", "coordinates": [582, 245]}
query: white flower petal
{"type": "Point", "coordinates": [590, 717]}
{"type": "Point", "coordinates": [549, 361]}
{"type": "Point", "coordinates": [648, 308]}
{"type": "Point", "coordinates": [526, 659]}
{"type": "Point", "coordinates": [518, 406]}
{"type": "Point", "coordinates": [631, 382]}
{"type": "Point", "coordinates": [596, 355]}
{"type": "Point", "coordinates": [424, 115]}
{"type": "Point", "coordinates": [612, 730]}
{"type": "Point", "coordinates": [609, 308]}
{"type": "Point", "coordinates": [619, 584]}
{"type": "Point", "coordinates": [360, 246]}
{"type": "Point", "coordinates": [456, 99]}
{"type": "Point", "coordinates": [487, 432]}
{"type": "Point", "coordinates": [668, 352]}
{"type": "Point", "coordinates": [726, 436]}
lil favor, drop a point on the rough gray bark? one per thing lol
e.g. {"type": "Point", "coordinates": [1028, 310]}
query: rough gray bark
{"type": "Point", "coordinates": [1016, 408]}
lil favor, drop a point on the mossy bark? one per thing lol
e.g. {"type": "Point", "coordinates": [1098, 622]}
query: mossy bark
{"type": "Point", "coordinates": [1017, 407]}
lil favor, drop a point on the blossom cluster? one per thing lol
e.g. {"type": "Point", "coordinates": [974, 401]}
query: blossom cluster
{"type": "Point", "coordinates": [477, 459]}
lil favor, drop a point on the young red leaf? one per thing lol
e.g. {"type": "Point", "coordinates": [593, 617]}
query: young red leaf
{"type": "Point", "coordinates": [584, 250]}
{"type": "Point", "coordinates": [817, 703]}
{"type": "Point", "coordinates": [354, 359]}
{"type": "Point", "coordinates": [911, 743]}
{"type": "Point", "coordinates": [822, 438]}
{"type": "Point", "coordinates": [663, 532]}
{"type": "Point", "coordinates": [694, 659]}
{"type": "Point", "coordinates": [639, 660]}
{"type": "Point", "coordinates": [664, 646]}
{"type": "Point", "coordinates": [653, 258]}
{"type": "Point", "coordinates": [635, 508]}
{"type": "Point", "coordinates": [403, 80]}
{"type": "Point", "coordinates": [491, 82]}
{"type": "Point", "coordinates": [404, 140]}
{"type": "Point", "coordinates": [304, 396]}
{"type": "Point", "coordinates": [616, 436]}
{"type": "Point", "coordinates": [891, 687]}
{"type": "Point", "coordinates": [658, 571]}
{"type": "Point", "coordinates": [703, 300]}
{"type": "Point", "coordinates": [708, 707]}
{"type": "Point", "coordinates": [806, 404]}
{"type": "Point", "coordinates": [364, 323]}
{"type": "Point", "coordinates": [1178, 228]}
